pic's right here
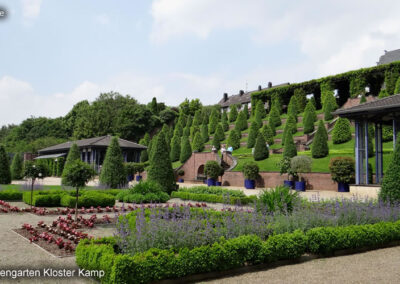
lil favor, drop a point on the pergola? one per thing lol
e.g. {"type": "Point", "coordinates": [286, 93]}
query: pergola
{"type": "Point", "coordinates": [381, 112]}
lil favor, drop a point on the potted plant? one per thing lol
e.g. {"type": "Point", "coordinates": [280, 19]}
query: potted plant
{"type": "Point", "coordinates": [342, 171]}
{"type": "Point", "coordinates": [300, 165]}
{"type": "Point", "coordinates": [250, 172]}
{"type": "Point", "coordinates": [212, 170]}
{"type": "Point", "coordinates": [181, 173]}
{"type": "Point", "coordinates": [284, 168]}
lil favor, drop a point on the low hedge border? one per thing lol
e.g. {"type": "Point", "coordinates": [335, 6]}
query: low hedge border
{"type": "Point", "coordinates": [10, 194]}
{"type": "Point", "coordinates": [43, 198]}
{"type": "Point", "coordinates": [213, 198]}
{"type": "Point", "coordinates": [88, 199]}
{"type": "Point", "coordinates": [158, 264]}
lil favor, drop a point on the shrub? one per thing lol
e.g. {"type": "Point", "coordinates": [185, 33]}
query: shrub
{"type": "Point", "coordinates": [160, 169]}
{"type": "Point", "coordinates": [280, 198]}
{"type": "Point", "coordinates": [234, 139]}
{"type": "Point", "coordinates": [213, 122]}
{"type": "Point", "coordinates": [320, 146]}
{"type": "Point", "coordinates": [301, 99]}
{"type": "Point", "coordinates": [213, 198]}
{"type": "Point", "coordinates": [261, 152]}
{"type": "Point", "coordinates": [285, 167]}
{"type": "Point", "coordinates": [224, 121]}
{"type": "Point", "coordinates": [73, 154]}
{"type": "Point", "coordinates": [198, 143]}
{"type": "Point", "coordinates": [290, 126]}
{"type": "Point", "coordinates": [329, 106]}
{"type": "Point", "coordinates": [301, 164]}
{"type": "Point", "coordinates": [246, 111]}
{"type": "Point", "coordinates": [251, 140]}
{"type": "Point", "coordinates": [212, 169]}
{"type": "Point", "coordinates": [213, 190]}
{"type": "Point", "coordinates": [293, 108]}
{"type": "Point", "coordinates": [289, 150]}
{"type": "Point", "coordinates": [390, 191]}
{"type": "Point", "coordinates": [342, 131]}
{"type": "Point", "coordinates": [219, 133]}
{"type": "Point", "coordinates": [250, 170]}
{"type": "Point", "coordinates": [342, 169]}
{"type": "Point", "coordinates": [113, 171]}
{"type": "Point", "coordinates": [44, 198]}
{"type": "Point", "coordinates": [10, 194]}
{"type": "Point", "coordinates": [193, 130]}
{"type": "Point", "coordinates": [274, 118]}
{"type": "Point", "coordinates": [268, 134]}
{"type": "Point", "coordinates": [260, 110]}
{"type": "Point", "coordinates": [87, 199]}
{"type": "Point", "coordinates": [175, 148]}
{"type": "Point", "coordinates": [144, 192]}
{"type": "Point", "coordinates": [186, 150]}
{"type": "Point", "coordinates": [17, 167]}
{"type": "Point", "coordinates": [5, 173]}
{"type": "Point", "coordinates": [241, 121]}
{"type": "Point", "coordinates": [204, 133]}
{"type": "Point", "coordinates": [309, 118]}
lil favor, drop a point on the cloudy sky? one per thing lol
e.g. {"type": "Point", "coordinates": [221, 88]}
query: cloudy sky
{"type": "Point", "coordinates": [56, 53]}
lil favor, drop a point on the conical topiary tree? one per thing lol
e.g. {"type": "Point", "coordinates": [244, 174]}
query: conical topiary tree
{"type": "Point", "coordinates": [233, 113]}
{"type": "Point", "coordinates": [160, 169]}
{"type": "Point", "coordinates": [390, 191]}
{"type": "Point", "coordinates": [219, 133]}
{"type": "Point", "coordinates": [216, 143]}
{"type": "Point", "coordinates": [289, 150]}
{"type": "Point", "coordinates": [186, 149]}
{"type": "Point", "coordinates": [293, 108]}
{"type": "Point", "coordinates": [178, 131]}
{"type": "Point", "coordinates": [234, 139]}
{"type": "Point", "coordinates": [274, 118]}
{"type": "Point", "coordinates": [290, 126]}
{"type": "Point", "coordinates": [5, 173]}
{"type": "Point", "coordinates": [224, 121]}
{"type": "Point", "coordinates": [17, 167]}
{"type": "Point", "coordinates": [197, 119]}
{"type": "Point", "coordinates": [260, 149]}
{"type": "Point", "coordinates": [213, 122]}
{"type": "Point", "coordinates": [363, 99]}
{"type": "Point", "coordinates": [329, 106]}
{"type": "Point", "coordinates": [342, 131]}
{"type": "Point", "coordinates": [251, 140]}
{"type": "Point", "coordinates": [204, 133]}
{"type": "Point", "coordinates": [260, 110]}
{"type": "Point", "coordinates": [319, 147]}
{"type": "Point", "coordinates": [246, 111]}
{"type": "Point", "coordinates": [113, 170]}
{"type": "Point", "coordinates": [193, 130]}
{"type": "Point", "coordinates": [73, 154]}
{"type": "Point", "coordinates": [277, 104]}
{"type": "Point", "coordinates": [186, 131]}
{"type": "Point", "coordinates": [268, 134]}
{"type": "Point", "coordinates": [198, 144]}
{"type": "Point", "coordinates": [175, 148]}
{"type": "Point", "coordinates": [241, 121]}
{"type": "Point", "coordinates": [309, 118]}
{"type": "Point", "coordinates": [301, 99]}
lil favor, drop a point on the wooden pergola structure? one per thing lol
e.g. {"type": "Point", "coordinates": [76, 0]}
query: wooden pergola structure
{"type": "Point", "coordinates": [381, 112]}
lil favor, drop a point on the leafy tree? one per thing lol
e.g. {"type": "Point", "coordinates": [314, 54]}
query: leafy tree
{"type": "Point", "coordinates": [383, 94]}
{"type": "Point", "coordinates": [320, 146]}
{"type": "Point", "coordinates": [260, 149]}
{"type": "Point", "coordinates": [5, 173]}
{"type": "Point", "coordinates": [357, 85]}
{"type": "Point", "coordinates": [167, 115]}
{"type": "Point", "coordinates": [342, 131]}
{"type": "Point", "coordinates": [186, 149]}
{"type": "Point", "coordinates": [274, 117]}
{"type": "Point", "coordinates": [175, 148]}
{"type": "Point", "coordinates": [33, 172]}
{"type": "Point", "coordinates": [234, 139]}
{"type": "Point", "coordinates": [268, 134]}
{"type": "Point", "coordinates": [390, 191]}
{"type": "Point", "coordinates": [213, 170]}
{"type": "Point", "coordinates": [301, 99]}
{"type": "Point", "coordinates": [290, 126]}
{"type": "Point", "coordinates": [293, 108]}
{"type": "Point", "coordinates": [246, 111]}
{"type": "Point", "coordinates": [73, 154]}
{"type": "Point", "coordinates": [251, 141]}
{"type": "Point", "coordinates": [197, 120]}
{"type": "Point", "coordinates": [204, 133]}
{"type": "Point", "coordinates": [241, 121]}
{"type": "Point", "coordinates": [224, 121]}
{"type": "Point", "coordinates": [193, 131]}
{"type": "Point", "coordinates": [154, 106]}
{"type": "Point", "coordinates": [186, 131]}
{"type": "Point", "coordinates": [113, 171]}
{"type": "Point", "coordinates": [216, 143]}
{"type": "Point", "coordinates": [213, 122]}
{"type": "Point", "coordinates": [17, 167]}
{"type": "Point", "coordinates": [198, 144]}
{"type": "Point", "coordinates": [77, 175]}
{"type": "Point", "coordinates": [289, 150]}
{"type": "Point", "coordinates": [160, 169]}
{"type": "Point", "coordinates": [277, 104]}
{"type": "Point", "coordinates": [178, 131]}
{"type": "Point", "coordinates": [233, 114]}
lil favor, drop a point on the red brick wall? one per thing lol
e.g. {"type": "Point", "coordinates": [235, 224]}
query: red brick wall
{"type": "Point", "coordinates": [195, 161]}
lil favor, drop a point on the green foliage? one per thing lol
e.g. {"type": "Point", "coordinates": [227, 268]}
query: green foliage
{"type": "Point", "coordinates": [309, 118]}
{"type": "Point", "coordinates": [198, 144]}
{"type": "Point", "coordinates": [246, 111]}
{"type": "Point", "coordinates": [301, 98]}
{"type": "Point", "coordinates": [135, 168]}
{"type": "Point", "coordinates": [293, 108]}
{"type": "Point", "coordinates": [233, 114]}
{"type": "Point", "coordinates": [268, 134]}
{"type": "Point", "coordinates": [397, 86]}
{"type": "Point", "coordinates": [87, 199]}
{"type": "Point", "coordinates": [319, 147]}
{"type": "Point", "coordinates": [342, 131]}
{"type": "Point", "coordinates": [390, 191]}
{"type": "Point", "coordinates": [186, 149]}
{"type": "Point", "coordinates": [219, 133]}
{"type": "Point", "coordinates": [260, 111]}
{"type": "Point", "coordinates": [186, 131]}
{"type": "Point", "coordinates": [213, 198]}
{"type": "Point", "coordinates": [213, 170]}
{"type": "Point", "coordinates": [241, 121]}
{"type": "Point", "coordinates": [34, 171]}
{"type": "Point", "coordinates": [144, 155]}
{"type": "Point", "coordinates": [290, 126]}
{"type": "Point", "coordinates": [224, 122]}
{"type": "Point", "coordinates": [216, 190]}
{"type": "Point", "coordinates": [79, 173]}
{"type": "Point", "coordinates": [10, 195]}
{"type": "Point", "coordinates": [383, 94]}
{"type": "Point", "coordinates": [143, 192]}
{"type": "Point", "coordinates": [17, 167]}
{"type": "Point", "coordinates": [274, 118]}
{"type": "Point", "coordinates": [329, 106]}
{"type": "Point", "coordinates": [44, 198]}
{"type": "Point", "coordinates": [5, 173]}
{"type": "Point", "coordinates": [175, 148]}
{"type": "Point", "coordinates": [160, 169]}
{"type": "Point", "coordinates": [253, 133]}
{"type": "Point", "coordinates": [250, 170]}
{"type": "Point", "coordinates": [261, 152]}
{"type": "Point", "coordinates": [204, 133]}
{"type": "Point", "coordinates": [280, 198]}
{"type": "Point", "coordinates": [391, 77]}
{"type": "Point", "coordinates": [113, 171]}
{"type": "Point", "coordinates": [73, 155]}
{"type": "Point", "coordinates": [342, 169]}
{"type": "Point", "coordinates": [193, 131]}
{"type": "Point", "coordinates": [234, 139]}
{"type": "Point", "coordinates": [300, 164]}
{"type": "Point", "coordinates": [197, 119]}
{"type": "Point", "coordinates": [387, 133]}
{"type": "Point", "coordinates": [357, 86]}
{"type": "Point", "coordinates": [327, 89]}
{"type": "Point", "coordinates": [178, 131]}
{"type": "Point", "coordinates": [289, 150]}
{"type": "Point", "coordinates": [213, 122]}
{"type": "Point", "coordinates": [60, 166]}
{"type": "Point", "coordinates": [363, 99]}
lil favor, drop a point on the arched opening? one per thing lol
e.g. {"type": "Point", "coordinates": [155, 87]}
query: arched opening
{"type": "Point", "coordinates": [200, 173]}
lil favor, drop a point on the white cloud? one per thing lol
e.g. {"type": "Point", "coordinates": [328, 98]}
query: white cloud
{"type": "Point", "coordinates": [102, 19]}
{"type": "Point", "coordinates": [30, 9]}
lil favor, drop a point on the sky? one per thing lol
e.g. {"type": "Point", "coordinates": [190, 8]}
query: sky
{"type": "Point", "coordinates": [54, 54]}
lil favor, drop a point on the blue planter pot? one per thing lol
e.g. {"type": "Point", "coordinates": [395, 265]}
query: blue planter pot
{"type": "Point", "coordinates": [138, 178]}
{"type": "Point", "coordinates": [249, 184]}
{"type": "Point", "coordinates": [218, 183]}
{"type": "Point", "coordinates": [211, 182]}
{"type": "Point", "coordinates": [130, 178]}
{"type": "Point", "coordinates": [343, 187]}
{"type": "Point", "coordinates": [180, 180]}
{"type": "Point", "coordinates": [300, 185]}
{"type": "Point", "coordinates": [288, 183]}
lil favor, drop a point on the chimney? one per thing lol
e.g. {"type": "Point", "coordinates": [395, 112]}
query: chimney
{"type": "Point", "coordinates": [241, 92]}
{"type": "Point", "coordinates": [269, 84]}
{"type": "Point", "coordinates": [225, 97]}
{"type": "Point", "coordinates": [259, 87]}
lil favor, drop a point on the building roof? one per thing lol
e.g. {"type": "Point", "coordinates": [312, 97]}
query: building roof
{"type": "Point", "coordinates": [389, 56]}
{"type": "Point", "coordinates": [103, 141]}
{"type": "Point", "coordinates": [381, 110]}
{"type": "Point", "coordinates": [243, 98]}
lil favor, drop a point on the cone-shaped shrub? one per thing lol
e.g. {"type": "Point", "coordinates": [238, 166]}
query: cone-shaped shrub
{"type": "Point", "coordinates": [234, 139]}
{"type": "Point", "coordinates": [186, 149]}
{"type": "Point", "coordinates": [246, 111]}
{"type": "Point", "coordinates": [390, 191]}
{"type": "Point", "coordinates": [233, 114]}
{"type": "Point", "coordinates": [216, 143]}
{"type": "Point", "coordinates": [186, 131]}
{"type": "Point", "coordinates": [309, 118]}
{"type": "Point", "coordinates": [293, 108]}
{"type": "Point", "coordinates": [213, 122]}
{"type": "Point", "coordinates": [329, 106]}
{"type": "Point", "coordinates": [319, 147]}
{"type": "Point", "coordinates": [178, 131]}
{"type": "Point", "coordinates": [73, 155]}
{"type": "Point", "coordinates": [260, 110]}
{"type": "Point", "coordinates": [204, 133]}
{"type": "Point", "coordinates": [301, 99]}
{"type": "Point", "coordinates": [197, 119]}
{"type": "Point", "coordinates": [277, 104]}
{"type": "Point", "coordinates": [224, 121]}
{"type": "Point", "coordinates": [251, 141]}
{"type": "Point", "coordinates": [144, 156]}
{"type": "Point", "coordinates": [189, 121]}
{"type": "Point", "coordinates": [198, 144]}
{"type": "Point", "coordinates": [219, 133]}
{"type": "Point", "coordinates": [268, 135]}
{"type": "Point", "coordinates": [274, 117]}
{"type": "Point", "coordinates": [241, 121]}
{"type": "Point", "coordinates": [289, 150]}
{"type": "Point", "coordinates": [160, 169]}
{"type": "Point", "coordinates": [193, 130]}
{"type": "Point", "coordinates": [17, 167]}
{"type": "Point", "coordinates": [290, 126]}
{"type": "Point", "coordinates": [5, 173]}
{"type": "Point", "coordinates": [342, 131]}
{"type": "Point", "coordinates": [175, 148]}
{"type": "Point", "coordinates": [113, 170]}
{"type": "Point", "coordinates": [260, 149]}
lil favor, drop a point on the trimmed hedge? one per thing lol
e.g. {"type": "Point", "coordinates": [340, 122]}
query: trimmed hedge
{"type": "Point", "coordinates": [10, 194]}
{"type": "Point", "coordinates": [342, 131]}
{"type": "Point", "coordinates": [43, 198]}
{"type": "Point", "coordinates": [87, 199]}
{"type": "Point", "coordinates": [213, 190]}
{"type": "Point", "coordinates": [213, 198]}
